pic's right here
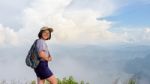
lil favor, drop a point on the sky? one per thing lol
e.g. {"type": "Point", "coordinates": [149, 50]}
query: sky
{"type": "Point", "coordinates": [103, 21]}
{"type": "Point", "coordinates": [92, 26]}
{"type": "Point", "coordinates": [135, 15]}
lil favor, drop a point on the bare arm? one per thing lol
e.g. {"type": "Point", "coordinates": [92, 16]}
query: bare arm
{"type": "Point", "coordinates": [43, 56]}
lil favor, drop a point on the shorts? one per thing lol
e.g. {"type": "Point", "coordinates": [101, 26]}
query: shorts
{"type": "Point", "coordinates": [42, 71]}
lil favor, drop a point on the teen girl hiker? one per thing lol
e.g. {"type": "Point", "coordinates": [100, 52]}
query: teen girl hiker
{"type": "Point", "coordinates": [42, 71]}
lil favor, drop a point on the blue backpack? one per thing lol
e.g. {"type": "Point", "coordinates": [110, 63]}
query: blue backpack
{"type": "Point", "coordinates": [32, 59]}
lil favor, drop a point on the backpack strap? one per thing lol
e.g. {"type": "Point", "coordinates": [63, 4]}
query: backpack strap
{"type": "Point", "coordinates": [35, 48]}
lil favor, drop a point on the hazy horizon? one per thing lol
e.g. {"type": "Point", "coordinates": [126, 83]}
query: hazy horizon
{"type": "Point", "coordinates": [91, 63]}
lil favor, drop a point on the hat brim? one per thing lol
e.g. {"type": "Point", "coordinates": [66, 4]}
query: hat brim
{"type": "Point", "coordinates": [50, 29]}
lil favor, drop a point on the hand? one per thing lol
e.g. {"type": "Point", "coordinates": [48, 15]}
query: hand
{"type": "Point", "coordinates": [49, 58]}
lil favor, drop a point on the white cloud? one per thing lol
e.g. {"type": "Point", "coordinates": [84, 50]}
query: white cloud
{"type": "Point", "coordinates": [8, 36]}
{"type": "Point", "coordinates": [70, 26]}
{"type": "Point", "coordinates": [104, 7]}
{"type": "Point", "coordinates": [146, 34]}
{"type": "Point", "coordinates": [136, 36]}
{"type": "Point", "coordinates": [11, 12]}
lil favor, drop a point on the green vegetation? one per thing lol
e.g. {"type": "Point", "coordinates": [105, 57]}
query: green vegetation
{"type": "Point", "coordinates": [131, 81]}
{"type": "Point", "coordinates": [69, 80]}
{"type": "Point", "coordinates": [33, 82]}
{"type": "Point", "coordinates": [65, 80]}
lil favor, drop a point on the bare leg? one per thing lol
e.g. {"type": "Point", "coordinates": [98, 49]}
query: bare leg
{"type": "Point", "coordinates": [39, 81]}
{"type": "Point", "coordinates": [52, 79]}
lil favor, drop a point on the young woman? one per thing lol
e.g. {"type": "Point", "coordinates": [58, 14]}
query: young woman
{"type": "Point", "coordinates": [42, 71]}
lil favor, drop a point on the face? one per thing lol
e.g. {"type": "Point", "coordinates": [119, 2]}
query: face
{"type": "Point", "coordinates": [45, 34]}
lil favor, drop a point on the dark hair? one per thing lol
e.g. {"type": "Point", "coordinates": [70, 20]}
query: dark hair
{"type": "Point", "coordinates": [40, 34]}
